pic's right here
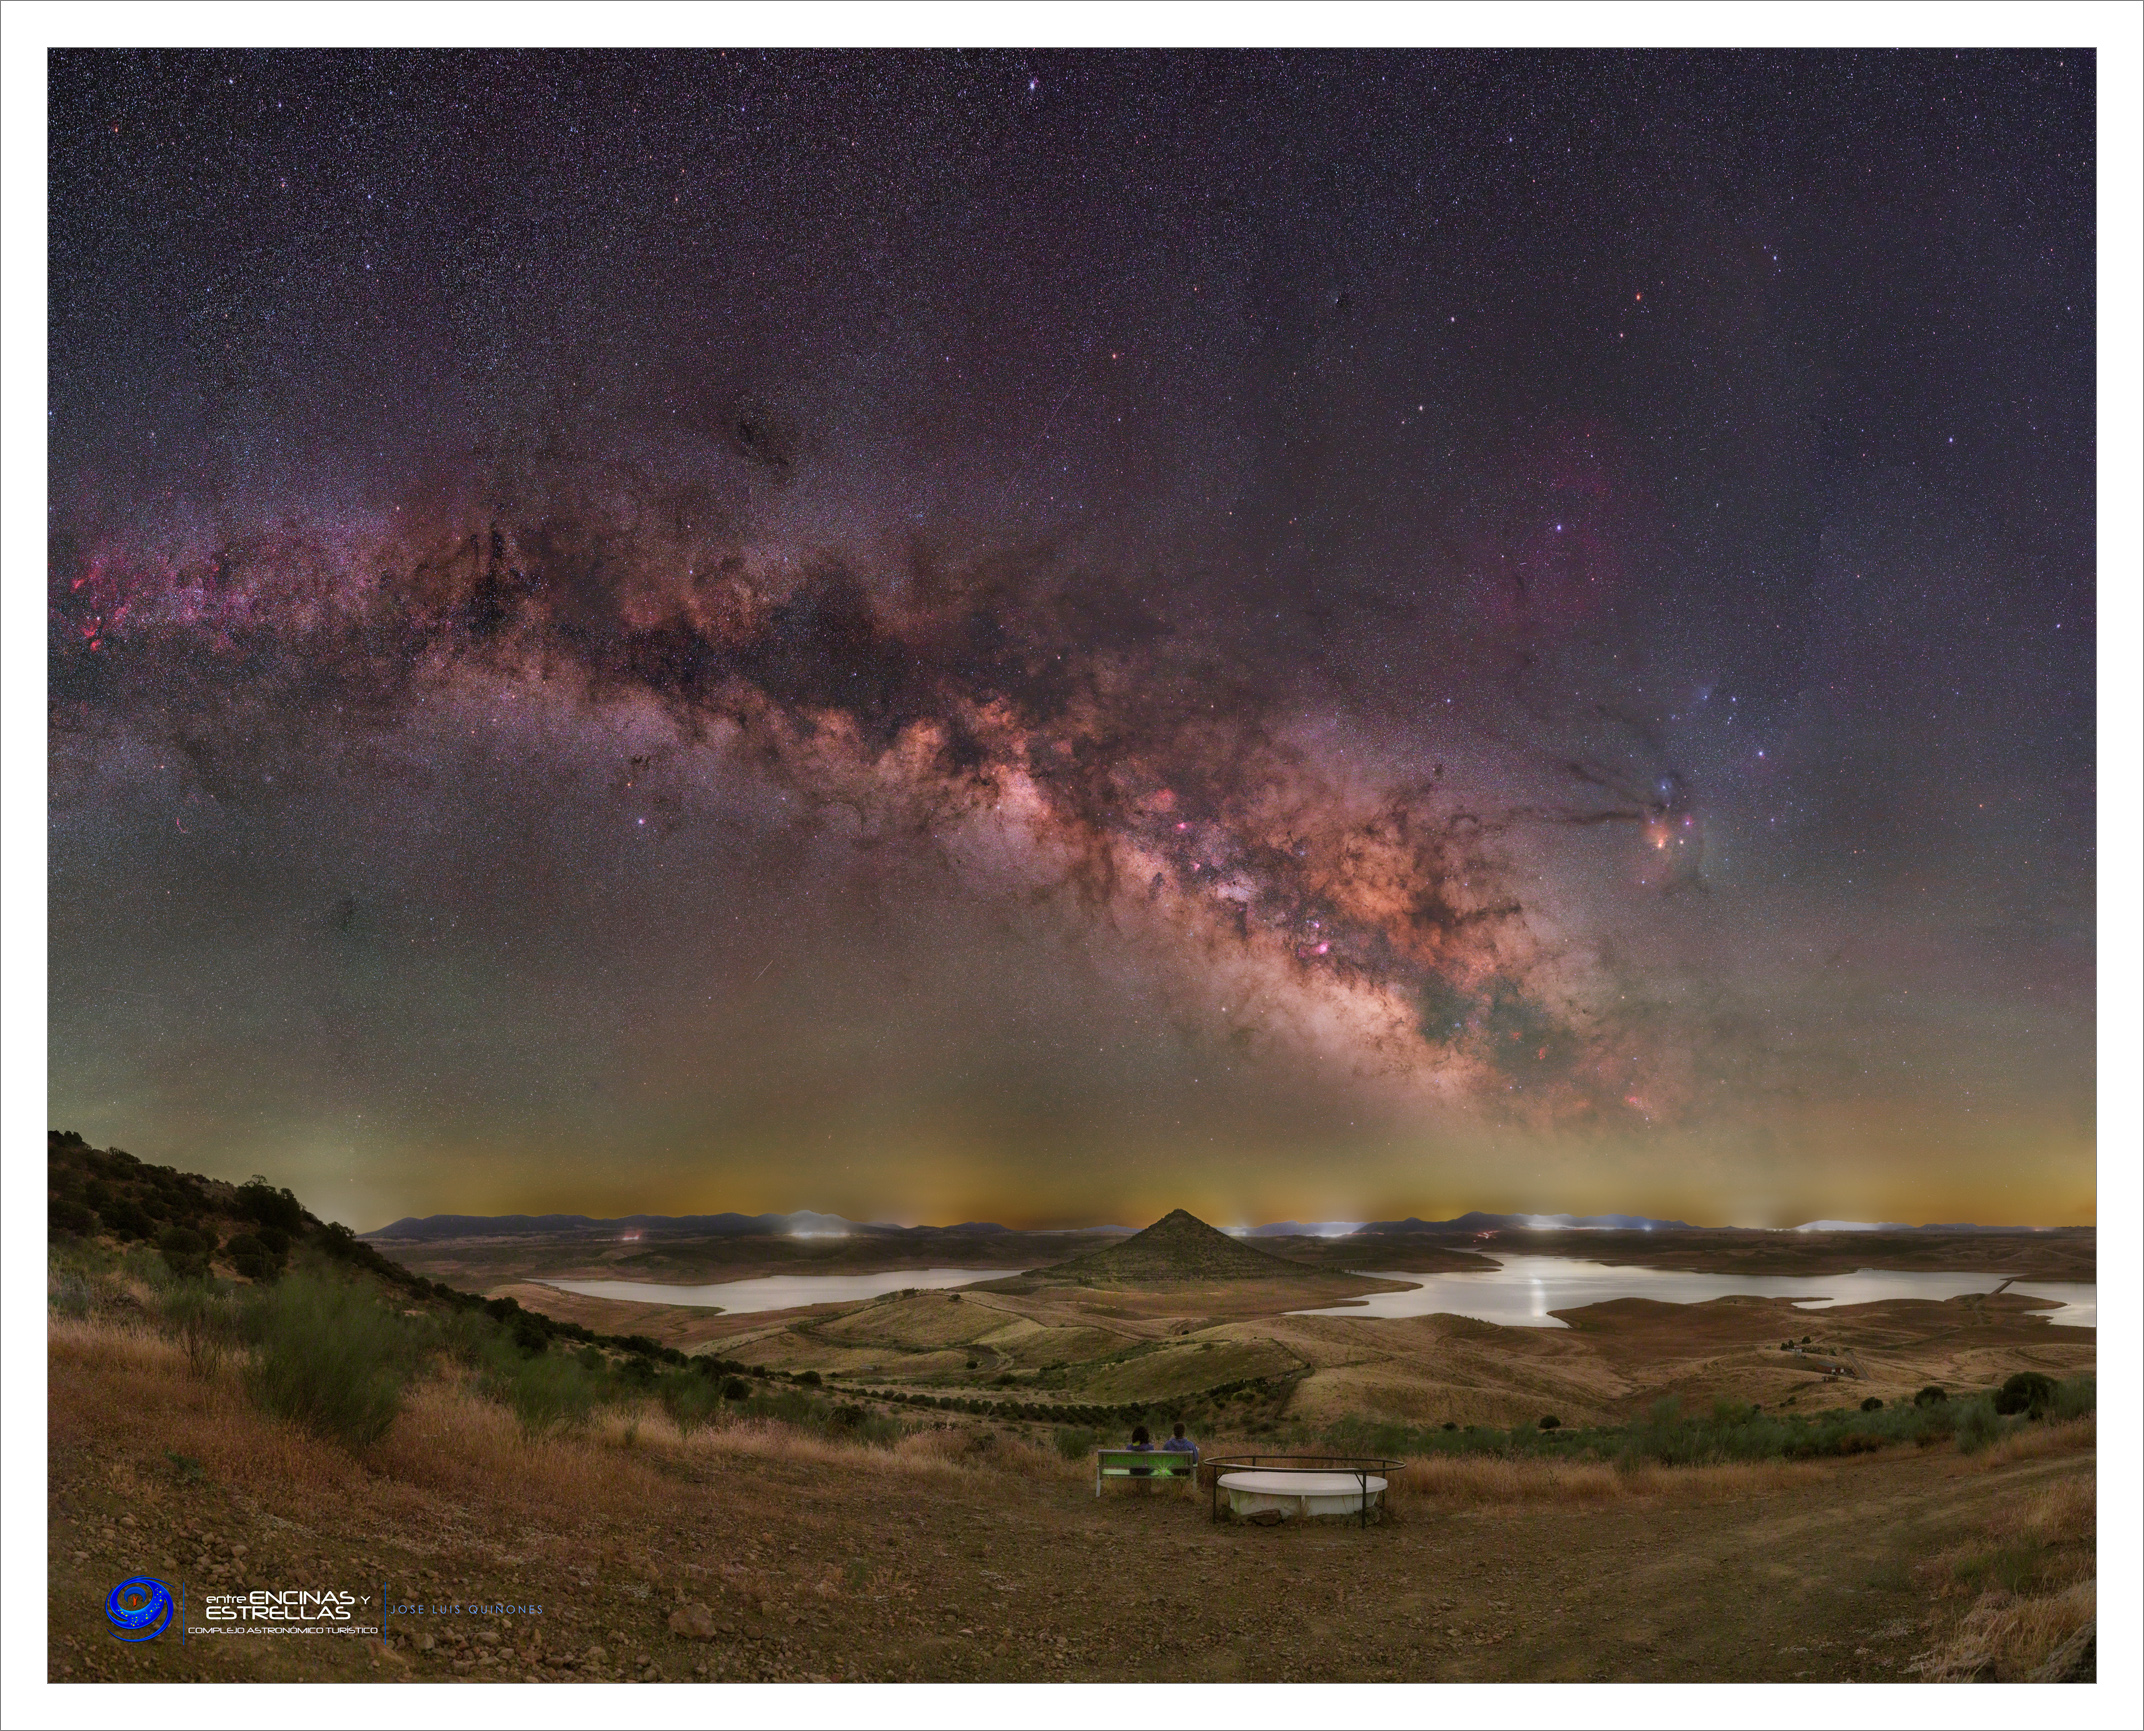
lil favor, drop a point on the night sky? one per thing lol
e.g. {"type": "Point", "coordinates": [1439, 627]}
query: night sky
{"type": "Point", "coordinates": [1042, 637]}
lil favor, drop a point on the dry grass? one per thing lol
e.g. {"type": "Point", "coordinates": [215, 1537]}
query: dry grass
{"type": "Point", "coordinates": [2031, 1575]}
{"type": "Point", "coordinates": [2005, 1639]}
{"type": "Point", "coordinates": [123, 1382]}
{"type": "Point", "coordinates": [2035, 1442]}
{"type": "Point", "coordinates": [126, 1382]}
{"type": "Point", "coordinates": [1491, 1479]}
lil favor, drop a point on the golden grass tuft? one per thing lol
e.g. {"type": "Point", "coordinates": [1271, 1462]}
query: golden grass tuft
{"type": "Point", "coordinates": [2004, 1639]}
{"type": "Point", "coordinates": [123, 1382]}
{"type": "Point", "coordinates": [2037, 1441]}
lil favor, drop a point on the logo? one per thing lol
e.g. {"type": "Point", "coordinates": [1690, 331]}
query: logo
{"type": "Point", "coordinates": [139, 1609]}
{"type": "Point", "coordinates": [297, 1605]}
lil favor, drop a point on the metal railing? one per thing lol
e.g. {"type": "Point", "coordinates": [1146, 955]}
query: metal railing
{"type": "Point", "coordinates": [1362, 1468]}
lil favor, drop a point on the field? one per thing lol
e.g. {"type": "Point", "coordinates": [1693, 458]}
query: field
{"type": "Point", "coordinates": [901, 1489]}
{"type": "Point", "coordinates": [757, 1551]}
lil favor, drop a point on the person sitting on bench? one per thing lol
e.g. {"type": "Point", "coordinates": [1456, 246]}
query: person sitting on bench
{"type": "Point", "coordinates": [1180, 1444]}
{"type": "Point", "coordinates": [1145, 1445]}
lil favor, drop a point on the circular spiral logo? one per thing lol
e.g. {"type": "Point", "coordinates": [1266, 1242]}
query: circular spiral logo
{"type": "Point", "coordinates": [139, 1608]}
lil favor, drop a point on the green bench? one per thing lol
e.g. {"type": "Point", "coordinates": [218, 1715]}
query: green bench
{"type": "Point", "coordinates": [1149, 1466]}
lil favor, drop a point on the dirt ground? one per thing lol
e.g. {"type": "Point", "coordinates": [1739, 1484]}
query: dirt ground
{"type": "Point", "coordinates": [986, 1559]}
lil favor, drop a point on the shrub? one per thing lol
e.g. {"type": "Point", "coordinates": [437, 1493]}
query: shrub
{"type": "Point", "coordinates": [735, 1389]}
{"type": "Point", "coordinates": [1549, 1421]}
{"type": "Point", "coordinates": [2075, 1397]}
{"type": "Point", "coordinates": [185, 1252]}
{"type": "Point", "coordinates": [529, 1336]}
{"type": "Point", "coordinates": [545, 1392]}
{"type": "Point", "coordinates": [262, 1201]}
{"type": "Point", "coordinates": [341, 1243]}
{"type": "Point", "coordinates": [249, 1255]}
{"type": "Point", "coordinates": [1451, 1424]}
{"type": "Point", "coordinates": [1873, 1404]}
{"type": "Point", "coordinates": [330, 1359]}
{"type": "Point", "coordinates": [72, 1292]}
{"type": "Point", "coordinates": [1932, 1395]}
{"type": "Point", "coordinates": [62, 1215]}
{"type": "Point", "coordinates": [810, 1379]}
{"type": "Point", "coordinates": [1075, 1443]}
{"type": "Point", "coordinates": [1976, 1426]}
{"type": "Point", "coordinates": [203, 1320]}
{"type": "Point", "coordinates": [689, 1401]}
{"type": "Point", "coordinates": [2027, 1392]}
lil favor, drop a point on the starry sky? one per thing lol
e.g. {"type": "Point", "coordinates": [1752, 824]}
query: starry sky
{"type": "Point", "coordinates": [1047, 636]}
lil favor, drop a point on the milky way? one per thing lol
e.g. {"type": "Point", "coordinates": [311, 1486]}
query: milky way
{"type": "Point", "coordinates": [950, 628]}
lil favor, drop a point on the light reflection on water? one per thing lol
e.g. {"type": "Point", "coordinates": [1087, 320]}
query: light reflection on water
{"type": "Point", "coordinates": [780, 1291]}
{"type": "Point", "coordinates": [1523, 1290]}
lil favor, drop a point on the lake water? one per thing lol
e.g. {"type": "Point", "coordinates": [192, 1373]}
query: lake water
{"type": "Point", "coordinates": [1522, 1290]}
{"type": "Point", "coordinates": [781, 1291]}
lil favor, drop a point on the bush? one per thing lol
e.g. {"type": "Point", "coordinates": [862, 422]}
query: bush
{"type": "Point", "coordinates": [72, 1292]}
{"type": "Point", "coordinates": [1873, 1404]}
{"type": "Point", "coordinates": [262, 1201]}
{"type": "Point", "coordinates": [1932, 1395]}
{"type": "Point", "coordinates": [689, 1401]}
{"type": "Point", "coordinates": [544, 1392]}
{"type": "Point", "coordinates": [1976, 1426]}
{"type": "Point", "coordinates": [185, 1252]}
{"type": "Point", "coordinates": [809, 1378]}
{"type": "Point", "coordinates": [330, 1359]}
{"type": "Point", "coordinates": [1549, 1421]}
{"type": "Point", "coordinates": [1075, 1443]}
{"type": "Point", "coordinates": [2026, 1392]}
{"type": "Point", "coordinates": [204, 1321]}
{"type": "Point", "coordinates": [2076, 1397]}
{"type": "Point", "coordinates": [249, 1255]}
{"type": "Point", "coordinates": [62, 1215]}
{"type": "Point", "coordinates": [735, 1389]}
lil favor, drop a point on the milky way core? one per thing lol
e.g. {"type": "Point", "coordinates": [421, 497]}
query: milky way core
{"type": "Point", "coordinates": [1041, 637]}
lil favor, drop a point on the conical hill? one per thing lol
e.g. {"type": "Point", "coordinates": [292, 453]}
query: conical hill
{"type": "Point", "coordinates": [1178, 1246]}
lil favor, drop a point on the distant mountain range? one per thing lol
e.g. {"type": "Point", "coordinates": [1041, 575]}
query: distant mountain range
{"type": "Point", "coordinates": [802, 1224]}
{"type": "Point", "coordinates": [805, 1223]}
{"type": "Point", "coordinates": [1479, 1222]}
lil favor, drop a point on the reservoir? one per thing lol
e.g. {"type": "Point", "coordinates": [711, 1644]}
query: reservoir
{"type": "Point", "coordinates": [1522, 1290]}
{"type": "Point", "coordinates": [781, 1291]}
